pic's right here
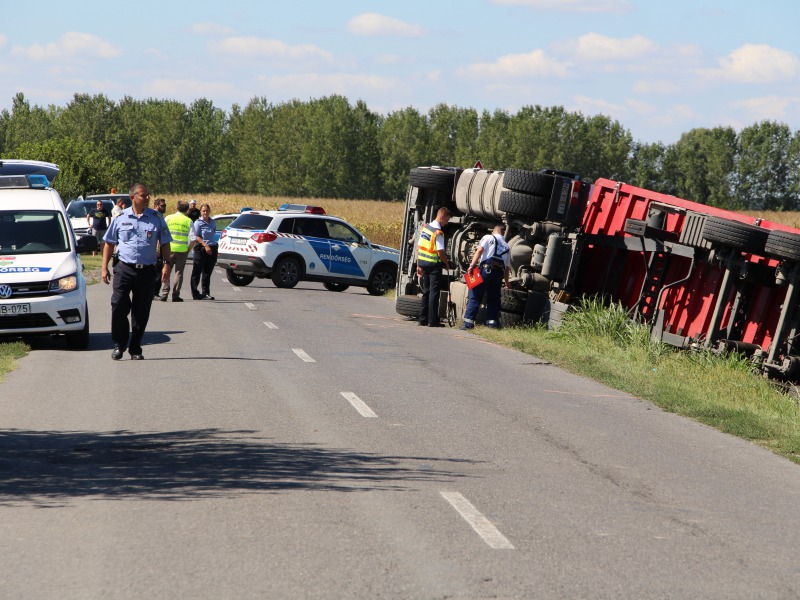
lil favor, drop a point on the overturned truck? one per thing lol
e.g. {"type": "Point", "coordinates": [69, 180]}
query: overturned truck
{"type": "Point", "coordinates": [700, 277]}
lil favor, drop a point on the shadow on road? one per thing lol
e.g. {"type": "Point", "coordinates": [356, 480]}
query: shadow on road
{"type": "Point", "coordinates": [49, 468]}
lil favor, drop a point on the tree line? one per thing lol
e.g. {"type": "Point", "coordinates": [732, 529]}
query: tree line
{"type": "Point", "coordinates": [330, 148]}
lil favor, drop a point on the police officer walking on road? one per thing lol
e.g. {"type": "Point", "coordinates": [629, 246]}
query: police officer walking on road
{"type": "Point", "coordinates": [494, 258]}
{"type": "Point", "coordinates": [430, 259]}
{"type": "Point", "coordinates": [136, 234]}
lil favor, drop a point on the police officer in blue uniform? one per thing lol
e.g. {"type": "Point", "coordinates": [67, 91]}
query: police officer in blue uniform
{"type": "Point", "coordinates": [495, 260]}
{"type": "Point", "coordinates": [135, 233]}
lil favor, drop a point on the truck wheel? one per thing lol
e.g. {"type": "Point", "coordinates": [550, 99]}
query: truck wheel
{"type": "Point", "coordinates": [235, 279]}
{"type": "Point", "coordinates": [513, 301]}
{"type": "Point", "coordinates": [783, 244]}
{"type": "Point", "coordinates": [335, 287]}
{"type": "Point", "coordinates": [408, 306]}
{"type": "Point", "coordinates": [286, 272]}
{"type": "Point", "coordinates": [381, 281]}
{"type": "Point", "coordinates": [538, 184]}
{"type": "Point", "coordinates": [80, 339]}
{"type": "Point", "coordinates": [524, 205]}
{"type": "Point", "coordinates": [436, 178]}
{"type": "Point", "coordinates": [732, 234]}
{"type": "Point", "coordinates": [508, 319]}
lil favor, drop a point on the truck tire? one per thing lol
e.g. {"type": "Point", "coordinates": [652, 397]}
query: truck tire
{"type": "Point", "coordinates": [408, 306]}
{"type": "Point", "coordinates": [524, 205]}
{"type": "Point", "coordinates": [433, 178]}
{"type": "Point", "coordinates": [528, 182]}
{"type": "Point", "coordinates": [513, 301]}
{"type": "Point", "coordinates": [732, 234]}
{"type": "Point", "coordinates": [784, 245]}
{"type": "Point", "coordinates": [509, 319]}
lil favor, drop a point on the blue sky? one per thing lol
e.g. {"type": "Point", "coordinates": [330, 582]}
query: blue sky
{"type": "Point", "coordinates": [660, 68]}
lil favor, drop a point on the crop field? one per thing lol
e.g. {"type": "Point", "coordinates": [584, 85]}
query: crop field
{"type": "Point", "coordinates": [381, 222]}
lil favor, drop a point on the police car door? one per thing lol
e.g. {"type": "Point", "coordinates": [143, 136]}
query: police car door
{"type": "Point", "coordinates": [315, 247]}
{"type": "Point", "coordinates": [350, 257]}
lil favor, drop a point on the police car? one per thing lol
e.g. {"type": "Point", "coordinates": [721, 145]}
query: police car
{"type": "Point", "coordinates": [299, 242]}
{"type": "Point", "coordinates": [42, 287]}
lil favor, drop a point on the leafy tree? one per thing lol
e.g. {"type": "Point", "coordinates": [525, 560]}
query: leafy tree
{"type": "Point", "coordinates": [493, 146]}
{"type": "Point", "coordinates": [200, 151]}
{"type": "Point", "coordinates": [84, 167]}
{"type": "Point", "coordinates": [403, 144]}
{"type": "Point", "coordinates": [766, 167]}
{"type": "Point", "coordinates": [701, 164]}
{"type": "Point", "coordinates": [453, 135]}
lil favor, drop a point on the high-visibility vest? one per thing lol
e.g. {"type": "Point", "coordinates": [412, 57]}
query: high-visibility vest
{"type": "Point", "coordinates": [179, 226]}
{"type": "Point", "coordinates": [426, 248]}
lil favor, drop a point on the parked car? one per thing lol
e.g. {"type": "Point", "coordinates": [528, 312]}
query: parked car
{"type": "Point", "coordinates": [78, 209]}
{"type": "Point", "coordinates": [299, 242]}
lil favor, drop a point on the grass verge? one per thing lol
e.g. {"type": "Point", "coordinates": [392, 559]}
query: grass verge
{"type": "Point", "coordinates": [719, 391]}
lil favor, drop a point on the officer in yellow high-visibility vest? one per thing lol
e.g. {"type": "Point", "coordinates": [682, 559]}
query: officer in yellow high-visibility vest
{"type": "Point", "coordinates": [430, 260]}
{"type": "Point", "coordinates": [179, 224]}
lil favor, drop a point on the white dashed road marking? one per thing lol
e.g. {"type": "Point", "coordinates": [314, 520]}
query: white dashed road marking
{"type": "Point", "coordinates": [250, 305]}
{"type": "Point", "coordinates": [236, 289]}
{"type": "Point", "coordinates": [358, 404]}
{"type": "Point", "coordinates": [303, 355]}
{"type": "Point", "coordinates": [270, 325]}
{"type": "Point", "coordinates": [482, 526]}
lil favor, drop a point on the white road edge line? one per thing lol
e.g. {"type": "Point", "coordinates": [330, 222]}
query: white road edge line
{"type": "Point", "coordinates": [482, 526]}
{"type": "Point", "coordinates": [303, 355]}
{"type": "Point", "coordinates": [250, 305]}
{"type": "Point", "coordinates": [358, 404]}
{"type": "Point", "coordinates": [270, 325]}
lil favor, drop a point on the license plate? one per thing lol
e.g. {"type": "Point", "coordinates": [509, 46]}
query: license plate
{"type": "Point", "coordinates": [15, 309]}
{"type": "Point", "coordinates": [237, 241]}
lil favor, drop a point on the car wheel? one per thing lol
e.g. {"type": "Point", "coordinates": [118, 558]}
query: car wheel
{"type": "Point", "coordinates": [80, 339]}
{"type": "Point", "coordinates": [286, 272]}
{"type": "Point", "coordinates": [238, 279]}
{"type": "Point", "coordinates": [335, 287]}
{"type": "Point", "coordinates": [381, 281]}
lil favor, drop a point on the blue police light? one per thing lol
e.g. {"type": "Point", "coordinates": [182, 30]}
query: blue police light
{"type": "Point", "coordinates": [246, 209]}
{"type": "Point", "coordinates": [306, 208]}
{"type": "Point", "coordinates": [38, 182]}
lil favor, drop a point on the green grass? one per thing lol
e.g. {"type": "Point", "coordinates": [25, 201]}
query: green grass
{"type": "Point", "coordinates": [720, 391]}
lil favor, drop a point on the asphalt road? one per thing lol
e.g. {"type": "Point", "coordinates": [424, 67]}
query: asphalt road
{"type": "Point", "coordinates": [309, 444]}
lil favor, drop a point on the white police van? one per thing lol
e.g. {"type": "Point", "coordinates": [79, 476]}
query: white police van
{"type": "Point", "coordinates": [42, 287]}
{"type": "Point", "coordinates": [299, 242]}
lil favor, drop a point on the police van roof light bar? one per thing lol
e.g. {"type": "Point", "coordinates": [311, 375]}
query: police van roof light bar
{"type": "Point", "coordinates": [306, 208]}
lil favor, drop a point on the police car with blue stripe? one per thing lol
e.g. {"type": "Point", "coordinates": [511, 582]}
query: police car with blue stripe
{"type": "Point", "coordinates": [299, 242]}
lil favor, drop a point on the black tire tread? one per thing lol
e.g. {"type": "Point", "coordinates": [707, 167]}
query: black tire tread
{"type": "Point", "coordinates": [408, 306]}
{"type": "Point", "coordinates": [528, 182]}
{"type": "Point", "coordinates": [525, 205]}
{"type": "Point", "coordinates": [783, 244]}
{"type": "Point", "coordinates": [732, 234]}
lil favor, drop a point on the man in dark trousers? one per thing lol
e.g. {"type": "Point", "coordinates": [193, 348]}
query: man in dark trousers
{"type": "Point", "coordinates": [430, 259]}
{"type": "Point", "coordinates": [136, 234]}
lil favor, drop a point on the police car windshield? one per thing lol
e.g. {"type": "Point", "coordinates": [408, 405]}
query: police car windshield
{"type": "Point", "coordinates": [32, 232]}
{"type": "Point", "coordinates": [80, 208]}
{"type": "Point", "coordinates": [251, 221]}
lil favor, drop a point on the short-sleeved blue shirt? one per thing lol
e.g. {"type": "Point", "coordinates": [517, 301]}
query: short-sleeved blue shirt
{"type": "Point", "coordinates": [137, 238]}
{"type": "Point", "coordinates": [204, 231]}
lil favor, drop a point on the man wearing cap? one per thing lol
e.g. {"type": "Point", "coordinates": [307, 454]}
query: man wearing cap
{"type": "Point", "coordinates": [194, 212]}
{"type": "Point", "coordinates": [136, 234]}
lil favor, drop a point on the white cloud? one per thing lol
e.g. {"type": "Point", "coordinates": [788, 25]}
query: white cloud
{"type": "Point", "coordinates": [589, 6]}
{"type": "Point", "coordinates": [769, 108]}
{"type": "Point", "coordinates": [316, 84]}
{"type": "Point", "coordinates": [374, 24]}
{"type": "Point", "coordinates": [756, 63]}
{"type": "Point", "coordinates": [210, 29]}
{"type": "Point", "coordinates": [259, 48]}
{"type": "Point", "coordinates": [187, 89]}
{"type": "Point", "coordinates": [596, 47]}
{"type": "Point", "coordinates": [532, 64]}
{"type": "Point", "coordinates": [71, 45]}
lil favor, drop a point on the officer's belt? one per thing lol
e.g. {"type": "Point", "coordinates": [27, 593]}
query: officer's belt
{"type": "Point", "coordinates": [136, 266]}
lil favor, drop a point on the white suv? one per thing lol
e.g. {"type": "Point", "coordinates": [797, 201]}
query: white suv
{"type": "Point", "coordinates": [298, 242]}
{"type": "Point", "coordinates": [42, 287]}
